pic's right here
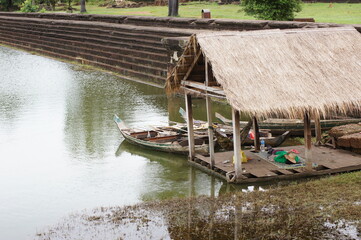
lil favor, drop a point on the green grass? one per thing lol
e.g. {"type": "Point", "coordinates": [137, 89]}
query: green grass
{"type": "Point", "coordinates": [321, 12]}
{"type": "Point", "coordinates": [339, 13]}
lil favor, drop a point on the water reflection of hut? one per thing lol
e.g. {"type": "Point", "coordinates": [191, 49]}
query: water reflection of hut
{"type": "Point", "coordinates": [303, 73]}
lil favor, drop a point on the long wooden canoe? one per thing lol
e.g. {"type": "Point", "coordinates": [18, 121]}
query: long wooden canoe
{"type": "Point", "coordinates": [160, 140]}
{"type": "Point", "coordinates": [295, 126]}
{"type": "Point", "coordinates": [225, 140]}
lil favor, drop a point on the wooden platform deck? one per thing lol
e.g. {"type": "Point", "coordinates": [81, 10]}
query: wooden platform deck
{"type": "Point", "coordinates": [259, 168]}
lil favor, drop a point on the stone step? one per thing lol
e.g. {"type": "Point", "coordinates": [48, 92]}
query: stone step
{"type": "Point", "coordinates": [154, 55]}
{"type": "Point", "coordinates": [86, 32]}
{"type": "Point", "coordinates": [79, 52]}
{"type": "Point", "coordinates": [159, 32]}
{"type": "Point", "coordinates": [146, 58]}
{"type": "Point", "coordinates": [102, 42]}
{"type": "Point", "coordinates": [126, 49]}
{"type": "Point", "coordinates": [145, 78]}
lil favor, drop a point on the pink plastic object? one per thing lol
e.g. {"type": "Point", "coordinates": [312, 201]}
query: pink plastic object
{"type": "Point", "coordinates": [294, 151]}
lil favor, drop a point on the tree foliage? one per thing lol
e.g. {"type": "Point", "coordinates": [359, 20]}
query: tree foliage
{"type": "Point", "coordinates": [9, 5]}
{"type": "Point", "coordinates": [28, 6]}
{"type": "Point", "coordinates": [272, 9]}
{"type": "Point", "coordinates": [36, 5]}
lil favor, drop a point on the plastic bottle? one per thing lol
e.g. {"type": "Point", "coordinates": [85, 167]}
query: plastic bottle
{"type": "Point", "coordinates": [263, 147]}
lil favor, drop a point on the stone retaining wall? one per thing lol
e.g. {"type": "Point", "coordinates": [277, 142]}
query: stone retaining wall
{"type": "Point", "coordinates": [332, 1]}
{"type": "Point", "coordinates": [170, 22]}
{"type": "Point", "coordinates": [129, 45]}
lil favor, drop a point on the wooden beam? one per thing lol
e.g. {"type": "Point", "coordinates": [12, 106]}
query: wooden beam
{"type": "Point", "coordinates": [209, 119]}
{"type": "Point", "coordinates": [197, 92]}
{"type": "Point", "coordinates": [308, 143]}
{"type": "Point", "coordinates": [192, 65]}
{"type": "Point", "coordinates": [190, 125]}
{"type": "Point", "coordinates": [318, 130]}
{"type": "Point", "coordinates": [236, 144]}
{"type": "Point", "coordinates": [214, 84]}
{"type": "Point", "coordinates": [187, 56]}
{"type": "Point", "coordinates": [257, 145]}
{"type": "Point", "coordinates": [200, 86]}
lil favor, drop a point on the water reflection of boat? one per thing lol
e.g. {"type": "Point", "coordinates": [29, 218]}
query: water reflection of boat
{"type": "Point", "coordinates": [167, 159]}
{"type": "Point", "coordinates": [161, 139]}
{"type": "Point", "coordinates": [295, 126]}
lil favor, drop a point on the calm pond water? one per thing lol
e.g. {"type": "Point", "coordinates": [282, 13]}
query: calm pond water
{"type": "Point", "coordinates": [62, 153]}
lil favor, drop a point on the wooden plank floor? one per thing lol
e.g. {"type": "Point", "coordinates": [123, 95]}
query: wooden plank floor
{"type": "Point", "coordinates": [258, 168]}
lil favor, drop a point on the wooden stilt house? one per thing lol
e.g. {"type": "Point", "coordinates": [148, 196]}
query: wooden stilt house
{"type": "Point", "coordinates": [301, 73]}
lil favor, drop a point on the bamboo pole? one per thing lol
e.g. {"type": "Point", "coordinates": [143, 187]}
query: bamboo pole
{"type": "Point", "coordinates": [308, 143]}
{"type": "Point", "coordinates": [257, 146]}
{"type": "Point", "coordinates": [236, 144]}
{"type": "Point", "coordinates": [190, 125]}
{"type": "Point", "coordinates": [209, 117]}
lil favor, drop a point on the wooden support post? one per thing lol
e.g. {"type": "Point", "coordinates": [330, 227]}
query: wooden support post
{"type": "Point", "coordinates": [257, 144]}
{"type": "Point", "coordinates": [210, 131]}
{"type": "Point", "coordinates": [308, 143]}
{"type": "Point", "coordinates": [190, 126]}
{"type": "Point", "coordinates": [318, 130]}
{"type": "Point", "coordinates": [236, 144]}
{"type": "Point", "coordinates": [209, 118]}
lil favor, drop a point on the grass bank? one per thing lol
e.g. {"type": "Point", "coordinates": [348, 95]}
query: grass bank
{"type": "Point", "coordinates": [322, 12]}
{"type": "Point", "coordinates": [327, 208]}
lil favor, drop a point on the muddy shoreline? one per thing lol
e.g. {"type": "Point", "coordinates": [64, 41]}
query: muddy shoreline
{"type": "Point", "coordinates": [327, 208]}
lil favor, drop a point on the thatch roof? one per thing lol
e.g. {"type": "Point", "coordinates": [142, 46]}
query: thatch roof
{"type": "Point", "coordinates": [285, 72]}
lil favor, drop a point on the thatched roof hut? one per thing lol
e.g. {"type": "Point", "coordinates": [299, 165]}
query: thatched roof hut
{"type": "Point", "coordinates": [284, 72]}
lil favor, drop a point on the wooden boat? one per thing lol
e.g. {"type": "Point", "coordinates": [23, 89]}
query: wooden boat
{"type": "Point", "coordinates": [225, 139]}
{"type": "Point", "coordinates": [295, 126]}
{"type": "Point", "coordinates": [160, 139]}
{"type": "Point", "coordinates": [202, 126]}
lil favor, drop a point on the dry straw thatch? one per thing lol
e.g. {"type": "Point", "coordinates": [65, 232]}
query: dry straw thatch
{"type": "Point", "coordinates": [286, 72]}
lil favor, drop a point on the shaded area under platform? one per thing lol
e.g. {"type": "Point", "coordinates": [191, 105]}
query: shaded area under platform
{"type": "Point", "coordinates": [258, 168]}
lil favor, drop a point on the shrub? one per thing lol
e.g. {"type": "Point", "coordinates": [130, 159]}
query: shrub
{"type": "Point", "coordinates": [28, 6]}
{"type": "Point", "coordinates": [272, 9]}
{"type": "Point", "coordinates": [10, 5]}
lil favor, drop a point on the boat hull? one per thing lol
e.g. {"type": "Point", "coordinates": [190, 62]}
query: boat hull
{"type": "Point", "coordinates": [165, 147]}
{"type": "Point", "coordinates": [295, 126]}
{"type": "Point", "coordinates": [167, 143]}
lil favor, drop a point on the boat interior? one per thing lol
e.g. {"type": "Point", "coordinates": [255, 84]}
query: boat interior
{"type": "Point", "coordinates": [162, 137]}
